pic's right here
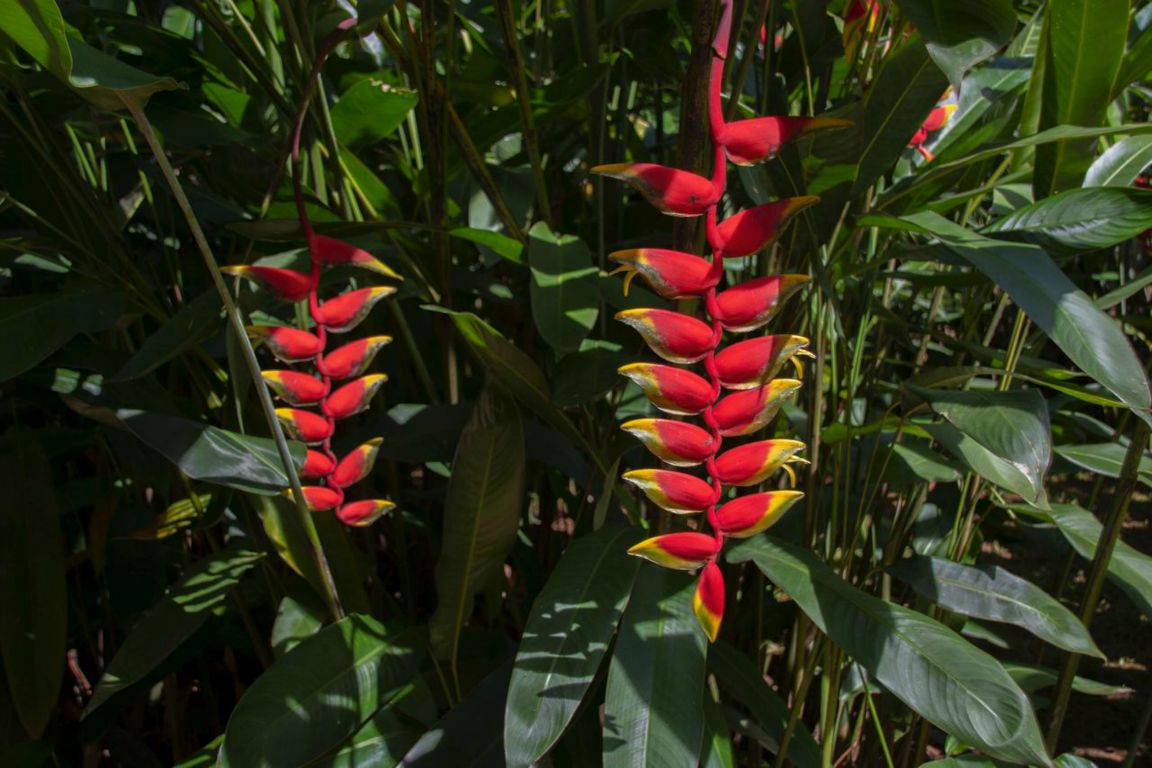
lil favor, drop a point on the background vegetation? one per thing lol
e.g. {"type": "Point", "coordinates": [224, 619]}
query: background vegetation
{"type": "Point", "coordinates": [977, 413]}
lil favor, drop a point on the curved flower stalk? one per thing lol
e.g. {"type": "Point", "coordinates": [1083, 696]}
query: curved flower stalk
{"type": "Point", "coordinates": [334, 384]}
{"type": "Point", "coordinates": [738, 392]}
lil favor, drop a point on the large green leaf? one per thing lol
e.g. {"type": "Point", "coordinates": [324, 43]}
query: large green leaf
{"type": "Point", "coordinates": [34, 326]}
{"type": "Point", "coordinates": [388, 735]}
{"type": "Point", "coordinates": [986, 463]}
{"type": "Point", "coordinates": [992, 593]}
{"type": "Point", "coordinates": [156, 635]}
{"type": "Point", "coordinates": [565, 288]}
{"type": "Point", "coordinates": [1105, 459]}
{"type": "Point", "coordinates": [38, 28]}
{"type": "Point", "coordinates": [321, 693]}
{"type": "Point", "coordinates": [1033, 678]}
{"type": "Point", "coordinates": [33, 593]}
{"type": "Point", "coordinates": [1090, 338]}
{"type": "Point", "coordinates": [1129, 569]}
{"type": "Point", "coordinates": [716, 751]}
{"type": "Point", "coordinates": [471, 734]}
{"type": "Point", "coordinates": [1012, 425]}
{"type": "Point", "coordinates": [212, 454]}
{"type": "Point", "coordinates": [740, 679]}
{"type": "Point", "coordinates": [1079, 219]}
{"type": "Point", "coordinates": [567, 633]}
{"type": "Point", "coordinates": [369, 112]}
{"type": "Point", "coordinates": [184, 330]}
{"type": "Point", "coordinates": [953, 684]}
{"type": "Point", "coordinates": [1122, 162]}
{"type": "Point", "coordinates": [1084, 48]}
{"type": "Point", "coordinates": [652, 708]}
{"type": "Point", "coordinates": [961, 33]}
{"type": "Point", "coordinates": [481, 515]}
{"type": "Point", "coordinates": [906, 89]}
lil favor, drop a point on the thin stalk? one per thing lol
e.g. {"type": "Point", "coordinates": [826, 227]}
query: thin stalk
{"type": "Point", "coordinates": [236, 323]}
{"type": "Point", "coordinates": [1109, 535]}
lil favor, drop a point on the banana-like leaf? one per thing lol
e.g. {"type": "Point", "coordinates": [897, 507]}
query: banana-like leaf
{"type": "Point", "coordinates": [652, 708]}
{"type": "Point", "coordinates": [992, 593]}
{"type": "Point", "coordinates": [567, 634]}
{"type": "Point", "coordinates": [471, 734]}
{"type": "Point", "coordinates": [951, 683]}
{"type": "Point", "coordinates": [34, 326]}
{"type": "Point", "coordinates": [1105, 459]}
{"type": "Point", "coordinates": [961, 35]}
{"type": "Point", "coordinates": [1123, 162]}
{"type": "Point", "coordinates": [565, 291]}
{"type": "Point", "coordinates": [1033, 678]}
{"type": "Point", "coordinates": [1078, 220]}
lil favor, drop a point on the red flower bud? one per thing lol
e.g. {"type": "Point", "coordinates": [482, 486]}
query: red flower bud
{"type": "Point", "coordinates": [751, 363]}
{"type": "Point", "coordinates": [354, 397]}
{"type": "Point", "coordinates": [329, 250]}
{"type": "Point", "coordinates": [671, 389]}
{"type": "Point", "coordinates": [675, 337]}
{"type": "Point", "coordinates": [676, 442]}
{"type": "Point", "coordinates": [362, 513]}
{"type": "Point", "coordinates": [672, 274]}
{"type": "Point", "coordinates": [354, 358]}
{"type": "Point", "coordinates": [748, 142]}
{"type": "Point", "coordinates": [286, 284]}
{"type": "Point", "coordinates": [344, 312]}
{"type": "Point", "coordinates": [305, 426]}
{"type": "Point", "coordinates": [745, 412]}
{"type": "Point", "coordinates": [289, 345]}
{"type": "Point", "coordinates": [295, 388]}
{"type": "Point", "coordinates": [316, 465]}
{"type": "Point", "coordinates": [683, 551]}
{"type": "Point", "coordinates": [356, 465]}
{"type": "Point", "coordinates": [746, 516]}
{"type": "Point", "coordinates": [756, 228]}
{"type": "Point", "coordinates": [708, 600]}
{"type": "Point", "coordinates": [674, 491]}
{"type": "Point", "coordinates": [748, 306]}
{"type": "Point", "coordinates": [753, 463]}
{"type": "Point", "coordinates": [318, 498]}
{"type": "Point", "coordinates": [671, 190]}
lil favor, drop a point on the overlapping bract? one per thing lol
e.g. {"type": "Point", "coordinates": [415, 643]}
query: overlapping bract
{"type": "Point", "coordinates": [741, 391]}
{"type": "Point", "coordinates": [335, 386]}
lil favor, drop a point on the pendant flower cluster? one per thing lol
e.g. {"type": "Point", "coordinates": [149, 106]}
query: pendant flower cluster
{"type": "Point", "coordinates": [334, 383]}
{"type": "Point", "coordinates": [739, 392]}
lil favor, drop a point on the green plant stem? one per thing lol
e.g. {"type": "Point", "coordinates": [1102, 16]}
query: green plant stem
{"type": "Point", "coordinates": [237, 325]}
{"type": "Point", "coordinates": [1109, 535]}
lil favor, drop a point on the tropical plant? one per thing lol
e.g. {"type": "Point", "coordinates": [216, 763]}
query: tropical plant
{"type": "Point", "coordinates": [951, 477]}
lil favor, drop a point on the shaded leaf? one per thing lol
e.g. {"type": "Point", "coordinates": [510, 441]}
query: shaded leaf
{"type": "Point", "coordinates": [34, 326]}
{"type": "Point", "coordinates": [565, 638]}
{"type": "Point", "coordinates": [370, 111]}
{"type": "Point", "coordinates": [1105, 459]}
{"type": "Point", "coordinates": [1033, 678]}
{"type": "Point", "coordinates": [184, 330]}
{"type": "Point", "coordinates": [949, 681]}
{"type": "Point", "coordinates": [505, 247]}
{"type": "Point", "coordinates": [471, 734]}
{"type": "Point", "coordinates": [960, 35]}
{"type": "Point", "coordinates": [565, 288]}
{"type": "Point", "coordinates": [986, 463]}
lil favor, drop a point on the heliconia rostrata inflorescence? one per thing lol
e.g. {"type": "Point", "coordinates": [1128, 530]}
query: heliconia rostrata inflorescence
{"type": "Point", "coordinates": [747, 369]}
{"type": "Point", "coordinates": [337, 385]}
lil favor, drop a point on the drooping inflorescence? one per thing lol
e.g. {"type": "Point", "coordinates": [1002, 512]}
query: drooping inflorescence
{"type": "Point", "coordinates": [739, 392]}
{"type": "Point", "coordinates": [334, 385]}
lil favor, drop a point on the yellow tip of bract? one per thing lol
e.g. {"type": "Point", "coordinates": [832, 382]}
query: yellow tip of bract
{"type": "Point", "coordinates": [612, 169]}
{"type": "Point", "coordinates": [380, 268]}
{"type": "Point", "coordinates": [797, 204]}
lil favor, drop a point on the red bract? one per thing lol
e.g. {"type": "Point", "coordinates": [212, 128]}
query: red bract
{"type": "Point", "coordinates": [295, 388]}
{"type": "Point", "coordinates": [328, 250]}
{"type": "Point", "coordinates": [343, 313]}
{"type": "Point", "coordinates": [286, 284]}
{"type": "Point", "coordinates": [748, 367]}
{"type": "Point", "coordinates": [354, 358]}
{"type": "Point", "coordinates": [289, 345]}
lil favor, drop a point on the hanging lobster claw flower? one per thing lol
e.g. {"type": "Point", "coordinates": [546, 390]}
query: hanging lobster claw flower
{"type": "Point", "coordinates": [674, 390]}
{"type": "Point", "coordinates": [856, 26]}
{"type": "Point", "coordinates": [751, 363]}
{"type": "Point", "coordinates": [672, 274]}
{"type": "Point", "coordinates": [363, 513]}
{"type": "Point", "coordinates": [356, 465]}
{"type": "Point", "coordinates": [344, 312]}
{"type": "Point", "coordinates": [675, 337]}
{"type": "Point", "coordinates": [753, 463]}
{"type": "Point", "coordinates": [295, 388]}
{"type": "Point", "coordinates": [752, 141]}
{"type": "Point", "coordinates": [708, 600]}
{"type": "Point", "coordinates": [305, 426]}
{"type": "Point", "coordinates": [318, 498]}
{"type": "Point", "coordinates": [748, 306]}
{"type": "Point", "coordinates": [286, 284]}
{"type": "Point", "coordinates": [329, 250]}
{"type": "Point", "coordinates": [353, 358]}
{"type": "Point", "coordinates": [682, 551]}
{"type": "Point", "coordinates": [746, 412]}
{"type": "Point", "coordinates": [289, 345]}
{"type": "Point", "coordinates": [746, 516]}
{"type": "Point", "coordinates": [756, 228]}
{"type": "Point", "coordinates": [675, 442]}
{"type": "Point", "coordinates": [671, 190]}
{"type": "Point", "coordinates": [316, 465]}
{"type": "Point", "coordinates": [676, 492]}
{"type": "Point", "coordinates": [355, 396]}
